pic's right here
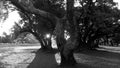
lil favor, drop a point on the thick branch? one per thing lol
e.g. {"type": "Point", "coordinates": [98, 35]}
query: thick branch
{"type": "Point", "coordinates": [28, 6]}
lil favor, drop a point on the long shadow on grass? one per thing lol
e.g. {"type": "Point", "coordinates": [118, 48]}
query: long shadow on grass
{"type": "Point", "coordinates": [1, 65]}
{"type": "Point", "coordinates": [100, 53]}
{"type": "Point", "coordinates": [47, 60]}
{"type": "Point", "coordinates": [99, 59]}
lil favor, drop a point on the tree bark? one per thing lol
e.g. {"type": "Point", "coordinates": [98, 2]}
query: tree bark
{"type": "Point", "coordinates": [67, 53]}
{"type": "Point", "coordinates": [67, 49]}
{"type": "Point", "coordinates": [47, 44]}
{"type": "Point", "coordinates": [35, 34]}
{"type": "Point", "coordinates": [28, 6]}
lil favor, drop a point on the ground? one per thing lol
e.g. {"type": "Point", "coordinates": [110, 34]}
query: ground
{"type": "Point", "coordinates": [29, 56]}
{"type": "Point", "coordinates": [17, 56]}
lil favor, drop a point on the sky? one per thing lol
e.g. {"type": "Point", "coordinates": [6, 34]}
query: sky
{"type": "Point", "coordinates": [6, 25]}
{"type": "Point", "coordinates": [14, 16]}
{"type": "Point", "coordinates": [118, 1]}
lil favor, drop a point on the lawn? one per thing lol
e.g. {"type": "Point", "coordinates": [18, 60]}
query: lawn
{"type": "Point", "coordinates": [29, 56]}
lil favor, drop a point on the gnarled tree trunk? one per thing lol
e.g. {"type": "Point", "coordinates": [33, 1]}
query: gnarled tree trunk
{"type": "Point", "coordinates": [66, 47]}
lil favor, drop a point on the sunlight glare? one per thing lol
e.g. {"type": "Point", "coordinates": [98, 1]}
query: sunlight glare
{"type": "Point", "coordinates": [58, 58]}
{"type": "Point", "coordinates": [48, 36]}
{"type": "Point", "coordinates": [6, 25]}
{"type": "Point", "coordinates": [118, 1]}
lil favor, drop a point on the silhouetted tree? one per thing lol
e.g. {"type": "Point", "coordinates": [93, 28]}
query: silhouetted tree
{"type": "Point", "coordinates": [85, 25]}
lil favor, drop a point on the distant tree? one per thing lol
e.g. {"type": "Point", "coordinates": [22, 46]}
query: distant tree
{"type": "Point", "coordinates": [116, 39]}
{"type": "Point", "coordinates": [6, 38]}
{"type": "Point", "coordinates": [96, 20]}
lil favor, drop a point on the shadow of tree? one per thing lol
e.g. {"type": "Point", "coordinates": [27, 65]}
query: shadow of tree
{"type": "Point", "coordinates": [1, 65]}
{"type": "Point", "coordinates": [46, 59]}
{"type": "Point", "coordinates": [100, 53]}
{"type": "Point", "coordinates": [99, 59]}
{"type": "Point", "coordinates": [43, 59]}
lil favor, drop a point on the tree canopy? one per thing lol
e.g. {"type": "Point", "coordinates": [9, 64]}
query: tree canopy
{"type": "Point", "coordinates": [85, 24]}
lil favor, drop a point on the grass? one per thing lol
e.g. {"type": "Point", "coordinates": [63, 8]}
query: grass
{"type": "Point", "coordinates": [29, 56]}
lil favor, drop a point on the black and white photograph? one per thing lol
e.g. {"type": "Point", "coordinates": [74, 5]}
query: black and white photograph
{"type": "Point", "coordinates": [59, 33]}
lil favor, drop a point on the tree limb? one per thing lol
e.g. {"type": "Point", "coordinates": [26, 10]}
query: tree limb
{"type": "Point", "coordinates": [28, 6]}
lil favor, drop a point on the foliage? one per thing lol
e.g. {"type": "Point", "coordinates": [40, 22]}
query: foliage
{"type": "Point", "coordinates": [97, 19]}
{"type": "Point", "coordinates": [85, 24]}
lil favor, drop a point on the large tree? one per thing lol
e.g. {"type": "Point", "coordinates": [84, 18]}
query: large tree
{"type": "Point", "coordinates": [43, 15]}
{"type": "Point", "coordinates": [85, 25]}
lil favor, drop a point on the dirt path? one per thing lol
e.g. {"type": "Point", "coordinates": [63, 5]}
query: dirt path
{"type": "Point", "coordinates": [43, 60]}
